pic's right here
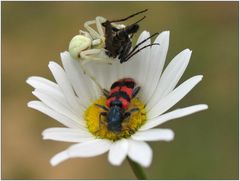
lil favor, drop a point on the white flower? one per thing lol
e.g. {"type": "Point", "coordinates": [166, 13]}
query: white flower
{"type": "Point", "coordinates": [73, 94]}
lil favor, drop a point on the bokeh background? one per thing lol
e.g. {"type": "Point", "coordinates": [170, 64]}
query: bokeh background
{"type": "Point", "coordinates": [206, 143]}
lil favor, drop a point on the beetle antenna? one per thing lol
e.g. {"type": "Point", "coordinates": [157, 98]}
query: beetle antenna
{"type": "Point", "coordinates": [102, 107]}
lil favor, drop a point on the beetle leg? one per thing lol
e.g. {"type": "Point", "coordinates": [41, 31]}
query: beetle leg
{"type": "Point", "coordinates": [105, 92]}
{"type": "Point", "coordinates": [128, 114]}
{"type": "Point", "coordinates": [134, 110]}
{"type": "Point", "coordinates": [101, 122]}
{"type": "Point", "coordinates": [135, 91]}
{"type": "Point", "coordinates": [126, 127]}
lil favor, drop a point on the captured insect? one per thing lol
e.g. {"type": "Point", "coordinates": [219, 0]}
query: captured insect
{"type": "Point", "coordinates": [118, 99]}
{"type": "Point", "coordinates": [118, 42]}
{"type": "Point", "coordinates": [111, 40]}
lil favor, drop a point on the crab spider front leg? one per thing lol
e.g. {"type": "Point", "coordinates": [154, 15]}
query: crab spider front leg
{"type": "Point", "coordinates": [92, 32]}
{"type": "Point", "coordinates": [85, 71]}
{"type": "Point", "coordinates": [99, 21]}
{"type": "Point", "coordinates": [91, 55]}
{"type": "Point", "coordinates": [96, 35]}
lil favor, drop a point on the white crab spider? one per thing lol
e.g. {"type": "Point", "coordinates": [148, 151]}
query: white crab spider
{"type": "Point", "coordinates": [89, 46]}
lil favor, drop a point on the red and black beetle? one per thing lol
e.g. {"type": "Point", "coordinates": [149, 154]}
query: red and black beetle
{"type": "Point", "coordinates": [118, 100]}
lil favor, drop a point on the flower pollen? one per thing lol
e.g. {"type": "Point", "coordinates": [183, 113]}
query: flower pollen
{"type": "Point", "coordinates": [129, 125]}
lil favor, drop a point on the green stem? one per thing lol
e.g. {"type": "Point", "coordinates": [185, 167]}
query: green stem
{"type": "Point", "coordinates": [137, 169]}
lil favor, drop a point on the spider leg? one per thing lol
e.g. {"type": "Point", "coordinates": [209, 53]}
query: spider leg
{"type": "Point", "coordinates": [85, 71]}
{"type": "Point", "coordinates": [92, 55]}
{"type": "Point", "coordinates": [84, 33]}
{"type": "Point", "coordinates": [99, 21]}
{"type": "Point", "coordinates": [92, 32]}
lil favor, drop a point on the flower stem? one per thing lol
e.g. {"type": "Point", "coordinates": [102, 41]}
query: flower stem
{"type": "Point", "coordinates": [137, 169]}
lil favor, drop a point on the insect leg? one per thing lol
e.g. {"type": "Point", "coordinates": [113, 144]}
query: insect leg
{"type": "Point", "coordinates": [142, 43]}
{"type": "Point", "coordinates": [135, 91]}
{"type": "Point", "coordinates": [134, 53]}
{"type": "Point", "coordinates": [128, 114]}
{"type": "Point", "coordinates": [108, 34]}
{"type": "Point", "coordinates": [105, 92]}
{"type": "Point", "coordinates": [124, 52]}
{"type": "Point", "coordinates": [101, 122]}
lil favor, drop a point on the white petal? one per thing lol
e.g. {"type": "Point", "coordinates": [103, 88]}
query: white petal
{"type": "Point", "coordinates": [118, 152]}
{"type": "Point", "coordinates": [140, 152]}
{"type": "Point", "coordinates": [115, 72]}
{"type": "Point", "coordinates": [66, 121]}
{"type": "Point", "coordinates": [44, 84]}
{"type": "Point", "coordinates": [67, 134]}
{"type": "Point", "coordinates": [134, 66]}
{"type": "Point", "coordinates": [50, 88]}
{"type": "Point", "coordinates": [102, 72]}
{"type": "Point", "coordinates": [60, 157]}
{"type": "Point", "coordinates": [178, 113]}
{"type": "Point", "coordinates": [172, 98]}
{"type": "Point", "coordinates": [142, 57]}
{"type": "Point", "coordinates": [64, 84]}
{"type": "Point", "coordinates": [86, 149]}
{"type": "Point", "coordinates": [58, 106]}
{"type": "Point", "coordinates": [156, 63]}
{"type": "Point", "coordinates": [77, 78]}
{"type": "Point", "coordinates": [154, 135]}
{"type": "Point", "coordinates": [171, 76]}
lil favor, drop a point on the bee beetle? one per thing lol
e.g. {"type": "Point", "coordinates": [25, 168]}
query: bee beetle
{"type": "Point", "coordinates": [118, 100]}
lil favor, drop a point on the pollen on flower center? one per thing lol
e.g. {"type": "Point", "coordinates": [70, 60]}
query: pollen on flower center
{"type": "Point", "coordinates": [129, 126]}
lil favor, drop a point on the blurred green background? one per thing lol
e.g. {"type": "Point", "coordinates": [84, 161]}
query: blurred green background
{"type": "Point", "coordinates": [206, 143]}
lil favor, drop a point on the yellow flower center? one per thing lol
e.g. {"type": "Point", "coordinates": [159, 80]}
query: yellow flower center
{"type": "Point", "coordinates": [128, 126]}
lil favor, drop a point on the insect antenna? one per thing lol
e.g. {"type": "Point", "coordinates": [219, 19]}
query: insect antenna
{"type": "Point", "coordinates": [102, 107]}
{"type": "Point", "coordinates": [140, 20]}
{"type": "Point", "coordinates": [124, 19]}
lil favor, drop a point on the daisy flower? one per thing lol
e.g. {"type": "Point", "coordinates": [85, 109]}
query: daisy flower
{"type": "Point", "coordinates": [72, 101]}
